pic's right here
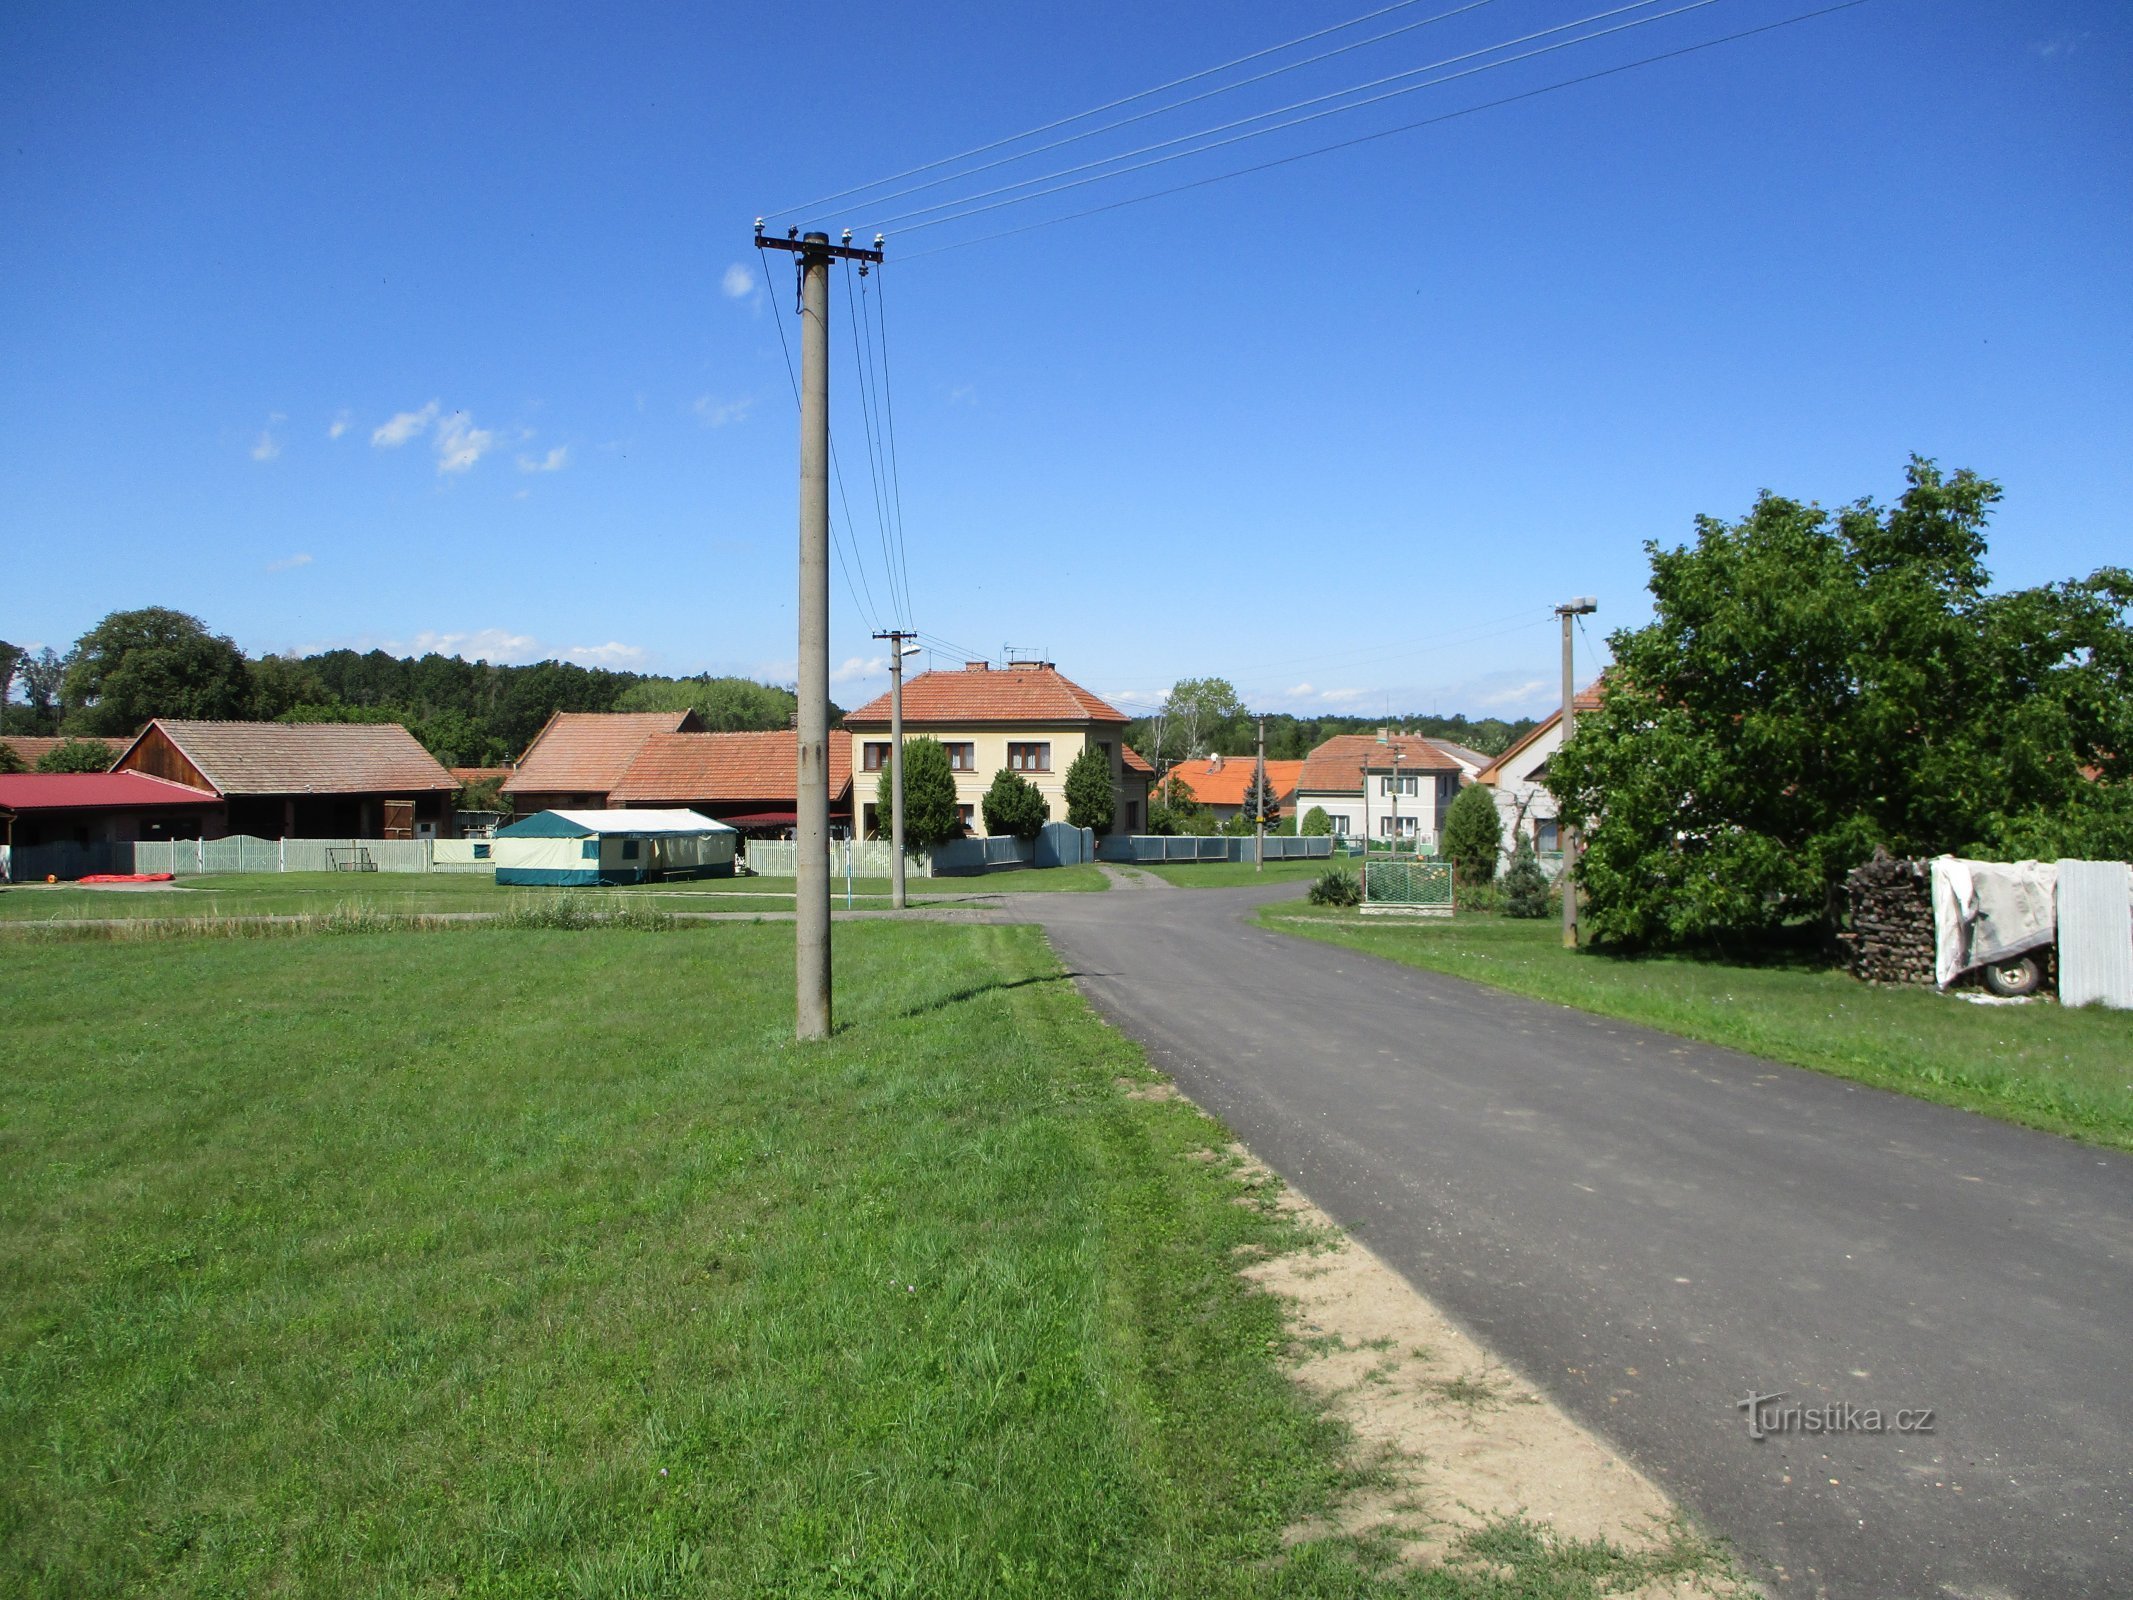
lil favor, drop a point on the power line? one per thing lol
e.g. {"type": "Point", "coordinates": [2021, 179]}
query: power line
{"type": "Point", "coordinates": [861, 356]}
{"type": "Point", "coordinates": [1175, 105]}
{"type": "Point", "coordinates": [1096, 111]}
{"type": "Point", "coordinates": [1383, 133]}
{"type": "Point", "coordinates": [888, 396]}
{"type": "Point", "coordinates": [1296, 122]}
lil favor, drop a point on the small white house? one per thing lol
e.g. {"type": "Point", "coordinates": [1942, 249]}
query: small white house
{"type": "Point", "coordinates": [1519, 779]}
{"type": "Point", "coordinates": [583, 848]}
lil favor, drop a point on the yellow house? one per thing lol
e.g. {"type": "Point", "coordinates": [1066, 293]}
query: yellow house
{"type": "Point", "coordinates": [1025, 717]}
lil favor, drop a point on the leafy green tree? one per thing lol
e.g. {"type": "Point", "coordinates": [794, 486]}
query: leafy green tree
{"type": "Point", "coordinates": [1090, 796]}
{"type": "Point", "coordinates": [1525, 886]}
{"type": "Point", "coordinates": [1199, 715]}
{"type": "Point", "coordinates": [1813, 684]}
{"type": "Point", "coordinates": [11, 759]}
{"type": "Point", "coordinates": [931, 815]}
{"type": "Point", "coordinates": [721, 704]}
{"type": "Point", "coordinates": [77, 755]}
{"type": "Point", "coordinates": [281, 682]}
{"type": "Point", "coordinates": [483, 794]}
{"type": "Point", "coordinates": [1013, 805]}
{"type": "Point", "coordinates": [40, 676]}
{"type": "Point", "coordinates": [1316, 824]}
{"type": "Point", "coordinates": [153, 662]}
{"type": "Point", "coordinates": [10, 657]}
{"type": "Point", "coordinates": [1173, 809]}
{"type": "Point", "coordinates": [1473, 835]}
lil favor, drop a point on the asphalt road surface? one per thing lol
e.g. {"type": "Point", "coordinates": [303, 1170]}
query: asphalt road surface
{"type": "Point", "coordinates": [1653, 1230]}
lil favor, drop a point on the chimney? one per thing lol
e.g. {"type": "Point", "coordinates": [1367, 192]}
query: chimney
{"type": "Point", "coordinates": [1384, 734]}
{"type": "Point", "coordinates": [1214, 763]}
{"type": "Point", "coordinates": [977, 666]}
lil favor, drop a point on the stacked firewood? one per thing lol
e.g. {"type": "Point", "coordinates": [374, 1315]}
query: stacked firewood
{"type": "Point", "coordinates": [1890, 939]}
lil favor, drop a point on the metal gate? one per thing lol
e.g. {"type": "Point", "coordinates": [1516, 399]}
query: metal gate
{"type": "Point", "coordinates": [1423, 887]}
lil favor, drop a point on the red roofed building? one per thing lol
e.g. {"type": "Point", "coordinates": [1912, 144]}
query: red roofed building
{"type": "Point", "coordinates": [578, 757]}
{"type": "Point", "coordinates": [1026, 717]}
{"type": "Point", "coordinates": [1520, 778]}
{"type": "Point", "coordinates": [748, 781]}
{"type": "Point", "coordinates": [1382, 786]}
{"type": "Point", "coordinates": [303, 780]}
{"type": "Point", "coordinates": [33, 748]}
{"type": "Point", "coordinates": [1222, 782]}
{"type": "Point", "coordinates": [104, 807]}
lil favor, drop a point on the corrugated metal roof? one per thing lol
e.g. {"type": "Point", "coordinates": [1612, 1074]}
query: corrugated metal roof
{"type": "Point", "coordinates": [97, 791]}
{"type": "Point", "coordinates": [305, 757]}
{"type": "Point", "coordinates": [611, 824]}
{"type": "Point", "coordinates": [586, 752]}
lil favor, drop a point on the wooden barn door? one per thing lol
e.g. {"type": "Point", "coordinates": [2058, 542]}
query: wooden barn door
{"type": "Point", "coordinates": [399, 819]}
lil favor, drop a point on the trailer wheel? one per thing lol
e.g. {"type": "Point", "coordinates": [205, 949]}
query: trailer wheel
{"type": "Point", "coordinates": [2013, 979]}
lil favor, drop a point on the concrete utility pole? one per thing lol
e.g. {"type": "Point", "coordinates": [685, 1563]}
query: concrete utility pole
{"type": "Point", "coordinates": [1259, 803]}
{"type": "Point", "coordinates": [1583, 606]}
{"type": "Point", "coordinates": [897, 651]}
{"type": "Point", "coordinates": [811, 899]}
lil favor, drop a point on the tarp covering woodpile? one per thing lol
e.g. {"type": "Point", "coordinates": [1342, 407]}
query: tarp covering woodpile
{"type": "Point", "coordinates": [587, 848]}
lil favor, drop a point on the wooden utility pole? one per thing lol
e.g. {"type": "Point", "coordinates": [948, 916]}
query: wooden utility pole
{"type": "Point", "coordinates": [897, 651]}
{"type": "Point", "coordinates": [1259, 803]}
{"type": "Point", "coordinates": [1584, 605]}
{"type": "Point", "coordinates": [811, 898]}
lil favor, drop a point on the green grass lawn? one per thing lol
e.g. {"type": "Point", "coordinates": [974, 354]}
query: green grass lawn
{"type": "Point", "coordinates": [496, 1262]}
{"type": "Point", "coordinates": [1232, 874]}
{"type": "Point", "coordinates": [2068, 1071]}
{"type": "Point", "coordinates": [275, 894]}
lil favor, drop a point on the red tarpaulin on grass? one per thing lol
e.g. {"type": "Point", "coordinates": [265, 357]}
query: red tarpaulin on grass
{"type": "Point", "coordinates": [127, 877]}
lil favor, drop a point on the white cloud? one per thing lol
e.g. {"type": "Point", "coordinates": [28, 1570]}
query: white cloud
{"type": "Point", "coordinates": [483, 644]}
{"type": "Point", "coordinates": [266, 449]}
{"type": "Point", "coordinates": [1300, 691]}
{"type": "Point", "coordinates": [717, 413]}
{"type": "Point", "coordinates": [963, 395]}
{"type": "Point", "coordinates": [1513, 693]}
{"type": "Point", "coordinates": [1341, 697]}
{"type": "Point", "coordinates": [738, 283]}
{"type": "Point", "coordinates": [289, 563]}
{"type": "Point", "coordinates": [610, 654]}
{"type": "Point", "coordinates": [555, 461]}
{"type": "Point", "coordinates": [858, 668]}
{"type": "Point", "coordinates": [460, 444]}
{"type": "Point", "coordinates": [2062, 44]}
{"type": "Point", "coordinates": [342, 419]}
{"type": "Point", "coordinates": [405, 426]}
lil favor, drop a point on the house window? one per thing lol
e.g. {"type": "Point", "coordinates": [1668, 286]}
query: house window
{"type": "Point", "coordinates": [1403, 783]}
{"type": "Point", "coordinates": [876, 755]}
{"type": "Point", "coordinates": [962, 758]}
{"type": "Point", "coordinates": [1408, 826]}
{"type": "Point", "coordinates": [967, 813]}
{"type": "Point", "coordinates": [1133, 815]}
{"type": "Point", "coordinates": [1340, 826]}
{"type": "Point", "coordinates": [1545, 836]}
{"type": "Point", "coordinates": [870, 820]}
{"type": "Point", "coordinates": [1105, 746]}
{"type": "Point", "coordinates": [629, 849]}
{"type": "Point", "coordinates": [1029, 758]}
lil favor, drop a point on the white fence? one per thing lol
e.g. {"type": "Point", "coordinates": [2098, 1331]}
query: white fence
{"type": "Point", "coordinates": [1057, 846]}
{"type": "Point", "coordinates": [187, 858]}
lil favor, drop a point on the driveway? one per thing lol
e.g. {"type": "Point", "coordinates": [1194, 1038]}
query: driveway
{"type": "Point", "coordinates": [1653, 1229]}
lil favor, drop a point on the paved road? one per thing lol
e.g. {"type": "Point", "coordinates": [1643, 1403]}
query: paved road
{"type": "Point", "coordinates": [1652, 1229]}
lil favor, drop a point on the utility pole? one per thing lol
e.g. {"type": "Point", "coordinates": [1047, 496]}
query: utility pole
{"type": "Point", "coordinates": [1259, 803]}
{"type": "Point", "coordinates": [897, 651]}
{"type": "Point", "coordinates": [1583, 606]}
{"type": "Point", "coordinates": [811, 898]}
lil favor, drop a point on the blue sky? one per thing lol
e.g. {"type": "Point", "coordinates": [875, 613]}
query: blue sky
{"type": "Point", "coordinates": [441, 329]}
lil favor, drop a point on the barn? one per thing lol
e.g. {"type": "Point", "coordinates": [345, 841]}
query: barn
{"type": "Point", "coordinates": [583, 848]}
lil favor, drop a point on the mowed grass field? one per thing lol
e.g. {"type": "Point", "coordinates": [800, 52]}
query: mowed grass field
{"type": "Point", "coordinates": [2065, 1070]}
{"type": "Point", "coordinates": [409, 893]}
{"type": "Point", "coordinates": [1233, 874]}
{"type": "Point", "coordinates": [496, 1262]}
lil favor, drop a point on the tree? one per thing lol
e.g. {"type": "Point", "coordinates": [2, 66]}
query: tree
{"type": "Point", "coordinates": [1815, 684]}
{"type": "Point", "coordinates": [40, 676]}
{"type": "Point", "coordinates": [153, 662]}
{"type": "Point", "coordinates": [1473, 835]}
{"type": "Point", "coordinates": [76, 755]}
{"type": "Point", "coordinates": [1195, 715]}
{"type": "Point", "coordinates": [1090, 796]}
{"type": "Point", "coordinates": [10, 759]}
{"type": "Point", "coordinates": [1260, 804]}
{"type": "Point", "coordinates": [1174, 809]}
{"type": "Point", "coordinates": [721, 704]}
{"type": "Point", "coordinates": [1525, 886]}
{"type": "Point", "coordinates": [1013, 805]}
{"type": "Point", "coordinates": [10, 656]}
{"type": "Point", "coordinates": [279, 683]}
{"type": "Point", "coordinates": [1316, 824]}
{"type": "Point", "coordinates": [931, 815]}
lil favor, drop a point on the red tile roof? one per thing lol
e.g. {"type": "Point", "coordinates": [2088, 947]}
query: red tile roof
{"type": "Point", "coordinates": [1223, 780]}
{"type": "Point", "coordinates": [98, 791]}
{"type": "Point", "coordinates": [303, 757]}
{"type": "Point", "coordinates": [466, 775]}
{"type": "Point", "coordinates": [978, 695]}
{"type": "Point", "coordinates": [586, 752]}
{"type": "Point", "coordinates": [32, 749]}
{"type": "Point", "coordinates": [1134, 761]}
{"type": "Point", "coordinates": [1337, 765]}
{"type": "Point", "coordinates": [726, 768]}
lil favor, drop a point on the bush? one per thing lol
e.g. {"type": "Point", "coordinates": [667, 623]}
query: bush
{"type": "Point", "coordinates": [1478, 896]}
{"type": "Point", "coordinates": [1012, 805]}
{"type": "Point", "coordinates": [1473, 835]}
{"type": "Point", "coordinates": [1525, 886]}
{"type": "Point", "coordinates": [931, 814]}
{"type": "Point", "coordinates": [1091, 799]}
{"type": "Point", "coordinates": [1316, 824]}
{"type": "Point", "coordinates": [10, 761]}
{"type": "Point", "coordinates": [1337, 886]}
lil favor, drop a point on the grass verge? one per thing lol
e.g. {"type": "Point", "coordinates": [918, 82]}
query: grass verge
{"type": "Point", "coordinates": [544, 1263]}
{"type": "Point", "coordinates": [1232, 874]}
{"type": "Point", "coordinates": [2042, 1065]}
